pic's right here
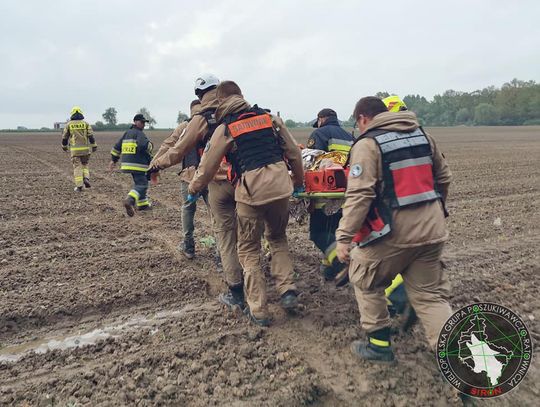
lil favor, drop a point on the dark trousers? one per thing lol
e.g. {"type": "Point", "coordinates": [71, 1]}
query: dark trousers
{"type": "Point", "coordinates": [188, 212]}
{"type": "Point", "coordinates": [322, 228]}
{"type": "Point", "coordinates": [322, 232]}
{"type": "Point", "coordinates": [140, 188]}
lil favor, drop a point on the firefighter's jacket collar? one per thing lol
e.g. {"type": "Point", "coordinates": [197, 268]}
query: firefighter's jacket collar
{"type": "Point", "coordinates": [330, 121]}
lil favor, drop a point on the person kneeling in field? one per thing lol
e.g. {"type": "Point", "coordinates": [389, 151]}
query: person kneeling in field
{"type": "Point", "coordinates": [256, 145]}
{"type": "Point", "coordinates": [134, 150]}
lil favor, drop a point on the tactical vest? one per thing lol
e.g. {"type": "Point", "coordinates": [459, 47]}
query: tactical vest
{"type": "Point", "coordinates": [256, 143]}
{"type": "Point", "coordinates": [408, 179]}
{"type": "Point", "coordinates": [191, 159]}
{"type": "Point", "coordinates": [210, 117]}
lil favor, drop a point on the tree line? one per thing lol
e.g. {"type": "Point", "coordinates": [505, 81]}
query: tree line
{"type": "Point", "coordinates": [110, 119]}
{"type": "Point", "coordinates": [515, 103]}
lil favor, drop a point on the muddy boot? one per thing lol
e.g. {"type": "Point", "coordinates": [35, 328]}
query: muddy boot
{"type": "Point", "coordinates": [77, 189]}
{"type": "Point", "coordinates": [234, 298]}
{"type": "Point", "coordinates": [377, 349]}
{"type": "Point", "coordinates": [86, 182]}
{"type": "Point", "coordinates": [257, 321]}
{"type": "Point", "coordinates": [289, 300]}
{"type": "Point", "coordinates": [188, 249]}
{"type": "Point", "coordinates": [129, 204]}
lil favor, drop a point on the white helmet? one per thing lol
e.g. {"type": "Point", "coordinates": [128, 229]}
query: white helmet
{"type": "Point", "coordinates": [205, 81]}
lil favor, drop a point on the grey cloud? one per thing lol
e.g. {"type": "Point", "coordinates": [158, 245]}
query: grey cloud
{"type": "Point", "coordinates": [295, 57]}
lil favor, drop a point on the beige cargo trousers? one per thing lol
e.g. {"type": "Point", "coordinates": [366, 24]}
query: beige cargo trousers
{"type": "Point", "coordinates": [270, 219]}
{"type": "Point", "coordinates": [373, 268]}
{"type": "Point", "coordinates": [223, 208]}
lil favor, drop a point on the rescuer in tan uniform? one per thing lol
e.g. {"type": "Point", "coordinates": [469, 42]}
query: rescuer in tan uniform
{"type": "Point", "coordinates": [394, 213]}
{"type": "Point", "coordinates": [256, 144]}
{"type": "Point", "coordinates": [220, 191]}
{"type": "Point", "coordinates": [78, 139]}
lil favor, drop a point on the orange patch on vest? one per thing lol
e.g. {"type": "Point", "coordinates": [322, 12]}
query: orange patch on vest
{"type": "Point", "coordinates": [250, 124]}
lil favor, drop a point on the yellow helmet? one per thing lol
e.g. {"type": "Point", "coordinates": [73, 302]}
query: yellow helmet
{"type": "Point", "coordinates": [394, 104]}
{"type": "Point", "coordinates": [76, 109]}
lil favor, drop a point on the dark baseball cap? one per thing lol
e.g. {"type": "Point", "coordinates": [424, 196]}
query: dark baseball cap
{"type": "Point", "coordinates": [326, 112]}
{"type": "Point", "coordinates": [140, 117]}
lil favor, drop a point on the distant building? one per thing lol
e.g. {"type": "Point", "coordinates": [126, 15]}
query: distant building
{"type": "Point", "coordinates": [59, 125]}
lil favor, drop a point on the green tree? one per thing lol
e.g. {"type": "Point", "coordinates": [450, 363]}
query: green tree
{"type": "Point", "coordinates": [99, 125]}
{"type": "Point", "coordinates": [110, 116]}
{"type": "Point", "coordinates": [146, 113]}
{"type": "Point", "coordinates": [182, 117]}
{"type": "Point", "coordinates": [290, 123]}
{"type": "Point", "coordinates": [486, 114]}
{"type": "Point", "coordinates": [463, 116]}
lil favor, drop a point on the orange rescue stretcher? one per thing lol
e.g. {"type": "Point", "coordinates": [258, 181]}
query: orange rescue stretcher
{"type": "Point", "coordinates": [330, 183]}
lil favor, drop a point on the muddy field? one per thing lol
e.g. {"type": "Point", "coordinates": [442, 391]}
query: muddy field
{"type": "Point", "coordinates": [74, 270]}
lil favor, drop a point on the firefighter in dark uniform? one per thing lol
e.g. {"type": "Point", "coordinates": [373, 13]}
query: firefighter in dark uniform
{"type": "Point", "coordinates": [329, 136]}
{"type": "Point", "coordinates": [134, 150]}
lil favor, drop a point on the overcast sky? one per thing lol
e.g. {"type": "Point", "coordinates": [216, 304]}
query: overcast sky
{"type": "Point", "coordinates": [293, 56]}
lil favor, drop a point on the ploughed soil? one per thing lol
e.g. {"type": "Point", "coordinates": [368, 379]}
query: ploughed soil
{"type": "Point", "coordinates": [75, 268]}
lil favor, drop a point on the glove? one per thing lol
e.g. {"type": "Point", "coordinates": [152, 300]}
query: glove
{"type": "Point", "coordinates": [192, 198]}
{"type": "Point", "coordinates": [152, 169]}
{"type": "Point", "coordinates": [298, 190]}
{"type": "Point", "coordinates": [65, 148]}
{"type": "Point", "coordinates": [94, 149]}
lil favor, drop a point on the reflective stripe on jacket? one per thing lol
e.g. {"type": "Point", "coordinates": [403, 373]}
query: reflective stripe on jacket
{"type": "Point", "coordinates": [134, 150]}
{"type": "Point", "coordinates": [412, 225]}
{"type": "Point", "coordinates": [407, 165]}
{"type": "Point", "coordinates": [79, 138]}
{"type": "Point", "coordinates": [330, 137]}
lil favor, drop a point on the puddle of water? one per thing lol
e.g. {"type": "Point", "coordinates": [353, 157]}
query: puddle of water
{"type": "Point", "coordinates": [14, 353]}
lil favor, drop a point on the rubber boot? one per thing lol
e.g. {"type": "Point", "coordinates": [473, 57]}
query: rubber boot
{"type": "Point", "coordinates": [87, 182]}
